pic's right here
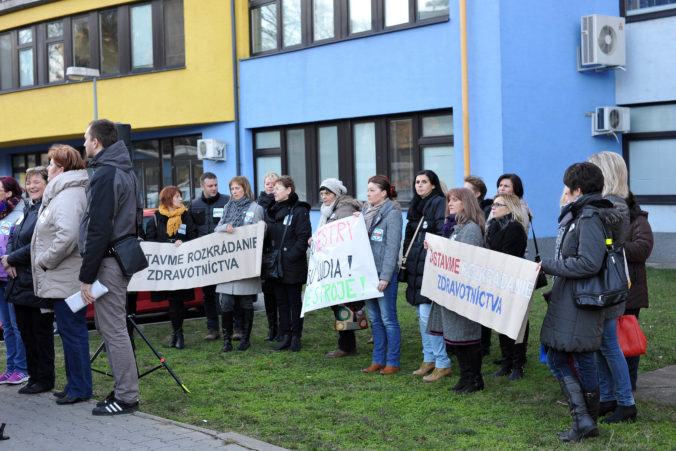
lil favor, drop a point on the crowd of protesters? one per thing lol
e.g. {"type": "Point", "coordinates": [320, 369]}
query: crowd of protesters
{"type": "Point", "coordinates": [54, 232]}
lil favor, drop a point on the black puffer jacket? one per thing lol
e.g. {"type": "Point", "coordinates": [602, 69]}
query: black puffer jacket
{"type": "Point", "coordinates": [294, 248]}
{"type": "Point", "coordinates": [20, 289]}
{"type": "Point", "coordinates": [637, 248]}
{"type": "Point", "coordinates": [567, 327]}
{"type": "Point", "coordinates": [433, 208]}
{"type": "Point", "coordinates": [206, 212]}
{"type": "Point", "coordinates": [506, 235]}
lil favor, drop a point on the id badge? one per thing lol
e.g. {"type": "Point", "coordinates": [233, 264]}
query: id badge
{"type": "Point", "coordinates": [377, 235]}
{"type": "Point", "coordinates": [288, 219]}
{"type": "Point", "coordinates": [218, 212]}
{"type": "Point", "coordinates": [182, 229]}
{"type": "Point", "coordinates": [248, 217]}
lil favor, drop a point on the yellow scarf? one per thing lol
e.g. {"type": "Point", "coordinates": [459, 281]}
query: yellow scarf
{"type": "Point", "coordinates": [174, 221]}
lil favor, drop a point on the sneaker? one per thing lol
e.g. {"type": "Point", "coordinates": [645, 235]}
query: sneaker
{"type": "Point", "coordinates": [4, 376]}
{"type": "Point", "coordinates": [17, 377]}
{"type": "Point", "coordinates": [106, 400]}
{"type": "Point", "coordinates": [115, 407]}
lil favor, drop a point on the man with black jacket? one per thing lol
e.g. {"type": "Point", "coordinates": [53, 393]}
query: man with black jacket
{"type": "Point", "coordinates": [206, 211]}
{"type": "Point", "coordinates": [112, 212]}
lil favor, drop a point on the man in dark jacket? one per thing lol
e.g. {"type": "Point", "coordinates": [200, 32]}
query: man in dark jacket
{"type": "Point", "coordinates": [206, 210]}
{"type": "Point", "coordinates": [112, 213]}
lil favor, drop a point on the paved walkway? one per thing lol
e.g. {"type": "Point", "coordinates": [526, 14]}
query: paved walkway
{"type": "Point", "coordinates": [36, 422]}
{"type": "Point", "coordinates": [657, 386]}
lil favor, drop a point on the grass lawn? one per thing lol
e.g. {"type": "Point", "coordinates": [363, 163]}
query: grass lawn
{"type": "Point", "coordinates": [303, 400]}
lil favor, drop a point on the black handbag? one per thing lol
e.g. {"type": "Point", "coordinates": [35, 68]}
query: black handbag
{"type": "Point", "coordinates": [271, 264]}
{"type": "Point", "coordinates": [541, 281]}
{"type": "Point", "coordinates": [610, 286]}
{"type": "Point", "coordinates": [129, 255]}
{"type": "Point", "coordinates": [402, 275]}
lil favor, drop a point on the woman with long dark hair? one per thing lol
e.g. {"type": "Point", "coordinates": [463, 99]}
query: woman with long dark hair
{"type": "Point", "coordinates": [426, 213]}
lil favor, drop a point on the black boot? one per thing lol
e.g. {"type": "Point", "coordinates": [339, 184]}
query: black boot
{"type": "Point", "coordinates": [622, 413]}
{"type": "Point", "coordinates": [272, 321]}
{"type": "Point", "coordinates": [247, 324]}
{"type": "Point", "coordinates": [283, 344]}
{"type": "Point", "coordinates": [172, 340]}
{"type": "Point", "coordinates": [295, 344]}
{"type": "Point", "coordinates": [465, 368]}
{"type": "Point", "coordinates": [474, 359]}
{"type": "Point", "coordinates": [592, 400]}
{"type": "Point", "coordinates": [272, 333]}
{"type": "Point", "coordinates": [583, 424]}
{"type": "Point", "coordinates": [606, 407]}
{"type": "Point", "coordinates": [227, 331]}
{"type": "Point", "coordinates": [173, 317]}
{"type": "Point", "coordinates": [180, 342]}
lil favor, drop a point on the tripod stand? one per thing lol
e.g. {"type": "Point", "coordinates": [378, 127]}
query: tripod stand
{"type": "Point", "coordinates": [163, 363]}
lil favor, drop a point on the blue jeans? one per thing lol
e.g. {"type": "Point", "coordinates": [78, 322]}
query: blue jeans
{"type": "Point", "coordinates": [16, 353]}
{"type": "Point", "coordinates": [434, 348]}
{"type": "Point", "coordinates": [75, 339]}
{"type": "Point", "coordinates": [613, 369]}
{"type": "Point", "coordinates": [584, 363]}
{"type": "Point", "coordinates": [385, 326]}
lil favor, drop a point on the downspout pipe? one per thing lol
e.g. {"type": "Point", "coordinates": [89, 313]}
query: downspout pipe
{"type": "Point", "coordinates": [235, 84]}
{"type": "Point", "coordinates": [465, 93]}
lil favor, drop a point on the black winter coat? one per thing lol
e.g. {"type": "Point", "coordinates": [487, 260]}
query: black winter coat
{"type": "Point", "coordinates": [207, 212]}
{"type": "Point", "coordinates": [156, 230]}
{"type": "Point", "coordinates": [506, 235]}
{"type": "Point", "coordinates": [637, 248]}
{"type": "Point", "coordinates": [294, 248]}
{"type": "Point", "coordinates": [433, 208]}
{"type": "Point", "coordinates": [567, 327]}
{"type": "Point", "coordinates": [20, 289]}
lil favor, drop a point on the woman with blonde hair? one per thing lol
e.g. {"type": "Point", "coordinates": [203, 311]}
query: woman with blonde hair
{"type": "Point", "coordinates": [614, 380]}
{"type": "Point", "coordinates": [506, 233]}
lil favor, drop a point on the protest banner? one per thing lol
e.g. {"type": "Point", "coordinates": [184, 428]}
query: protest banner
{"type": "Point", "coordinates": [488, 287]}
{"type": "Point", "coordinates": [209, 260]}
{"type": "Point", "coordinates": [341, 267]}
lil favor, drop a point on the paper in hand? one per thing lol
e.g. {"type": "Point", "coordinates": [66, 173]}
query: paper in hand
{"type": "Point", "coordinates": [75, 302]}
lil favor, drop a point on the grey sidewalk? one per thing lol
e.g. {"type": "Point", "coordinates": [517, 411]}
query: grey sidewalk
{"type": "Point", "coordinates": [36, 422]}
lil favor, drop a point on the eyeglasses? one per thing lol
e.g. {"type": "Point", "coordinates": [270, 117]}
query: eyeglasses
{"type": "Point", "coordinates": [497, 204]}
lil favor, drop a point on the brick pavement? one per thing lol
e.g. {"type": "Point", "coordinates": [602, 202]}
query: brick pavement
{"type": "Point", "coordinates": [36, 422]}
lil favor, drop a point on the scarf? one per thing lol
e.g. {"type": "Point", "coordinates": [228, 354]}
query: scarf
{"type": "Point", "coordinates": [448, 226]}
{"type": "Point", "coordinates": [8, 205]}
{"type": "Point", "coordinates": [174, 221]}
{"type": "Point", "coordinates": [370, 213]}
{"type": "Point", "coordinates": [326, 211]}
{"type": "Point", "coordinates": [233, 212]}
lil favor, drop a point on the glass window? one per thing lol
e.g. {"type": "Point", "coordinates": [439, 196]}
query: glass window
{"type": "Point", "coordinates": [437, 125]}
{"type": "Point", "coordinates": [141, 37]}
{"type": "Point", "coordinates": [401, 157]}
{"type": "Point", "coordinates": [152, 184]}
{"type": "Point", "coordinates": [183, 179]}
{"type": "Point", "coordinates": [657, 118]}
{"type": "Point", "coordinates": [25, 36]}
{"type": "Point", "coordinates": [55, 30]}
{"type": "Point", "coordinates": [174, 34]}
{"type": "Point", "coordinates": [264, 28]}
{"type": "Point", "coordinates": [322, 19]}
{"type": "Point", "coordinates": [291, 19]}
{"type": "Point", "coordinates": [55, 55]}
{"type": "Point", "coordinates": [651, 166]}
{"type": "Point", "coordinates": [432, 8]}
{"type": "Point", "coordinates": [647, 6]}
{"type": "Point", "coordinates": [5, 62]}
{"type": "Point", "coordinates": [26, 67]}
{"type": "Point", "coordinates": [360, 16]}
{"type": "Point", "coordinates": [328, 152]}
{"type": "Point", "coordinates": [110, 52]}
{"type": "Point", "coordinates": [144, 150]}
{"type": "Point", "coordinates": [440, 159]}
{"type": "Point", "coordinates": [295, 160]}
{"type": "Point", "coordinates": [267, 140]}
{"type": "Point", "coordinates": [264, 165]}
{"type": "Point", "coordinates": [396, 12]}
{"type": "Point", "coordinates": [197, 171]}
{"type": "Point", "coordinates": [185, 146]}
{"type": "Point", "coordinates": [81, 54]}
{"type": "Point", "coordinates": [364, 145]}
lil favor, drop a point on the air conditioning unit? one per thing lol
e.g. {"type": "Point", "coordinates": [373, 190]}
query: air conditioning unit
{"type": "Point", "coordinates": [211, 149]}
{"type": "Point", "coordinates": [610, 120]}
{"type": "Point", "coordinates": [603, 41]}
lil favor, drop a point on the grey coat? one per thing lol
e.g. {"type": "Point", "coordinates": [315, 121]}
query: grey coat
{"type": "Point", "coordinates": [456, 328]}
{"type": "Point", "coordinates": [567, 327]}
{"type": "Point", "coordinates": [385, 238]}
{"type": "Point", "coordinates": [245, 286]}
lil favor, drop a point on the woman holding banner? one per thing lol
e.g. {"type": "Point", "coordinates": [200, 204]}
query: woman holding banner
{"type": "Point", "coordinates": [289, 230]}
{"type": "Point", "coordinates": [425, 214]}
{"type": "Point", "coordinates": [172, 224]}
{"type": "Point", "coordinates": [462, 335]}
{"type": "Point", "coordinates": [336, 204]}
{"type": "Point", "coordinates": [383, 222]}
{"type": "Point", "coordinates": [241, 210]}
{"type": "Point", "coordinates": [506, 233]}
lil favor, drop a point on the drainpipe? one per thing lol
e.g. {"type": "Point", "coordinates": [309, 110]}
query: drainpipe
{"type": "Point", "coordinates": [235, 84]}
{"type": "Point", "coordinates": [465, 94]}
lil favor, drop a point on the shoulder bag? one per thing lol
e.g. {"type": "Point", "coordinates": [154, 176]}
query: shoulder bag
{"type": "Point", "coordinates": [541, 281]}
{"type": "Point", "coordinates": [271, 266]}
{"type": "Point", "coordinates": [127, 250]}
{"type": "Point", "coordinates": [401, 275]}
{"type": "Point", "coordinates": [610, 286]}
{"type": "Point", "coordinates": [630, 336]}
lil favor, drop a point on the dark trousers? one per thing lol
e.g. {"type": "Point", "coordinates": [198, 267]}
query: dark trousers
{"type": "Point", "coordinates": [485, 340]}
{"type": "Point", "coordinates": [270, 303]}
{"type": "Point", "coordinates": [75, 339]}
{"type": "Point", "coordinates": [289, 305]}
{"type": "Point", "coordinates": [176, 313]}
{"type": "Point", "coordinates": [210, 306]}
{"type": "Point", "coordinates": [514, 354]}
{"type": "Point", "coordinates": [632, 362]}
{"type": "Point", "coordinates": [37, 333]}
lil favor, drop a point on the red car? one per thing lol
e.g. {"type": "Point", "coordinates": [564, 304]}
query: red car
{"type": "Point", "coordinates": [143, 303]}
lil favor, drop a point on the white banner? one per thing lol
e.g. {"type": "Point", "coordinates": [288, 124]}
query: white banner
{"type": "Point", "coordinates": [209, 260]}
{"type": "Point", "coordinates": [488, 287]}
{"type": "Point", "coordinates": [341, 267]}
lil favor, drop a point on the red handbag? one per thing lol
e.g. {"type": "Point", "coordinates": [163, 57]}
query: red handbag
{"type": "Point", "coordinates": [629, 334]}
